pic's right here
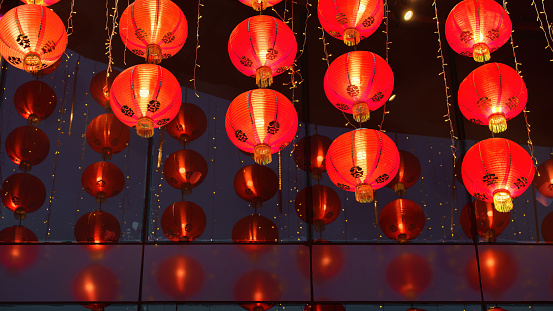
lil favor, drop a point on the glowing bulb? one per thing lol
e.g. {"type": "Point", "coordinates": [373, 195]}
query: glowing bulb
{"type": "Point", "coordinates": [260, 123]}
{"type": "Point", "coordinates": [496, 109]}
{"type": "Point", "coordinates": [392, 97]}
{"type": "Point", "coordinates": [320, 159]}
{"type": "Point", "coordinates": [144, 92]}
{"type": "Point", "coordinates": [400, 226]}
{"type": "Point", "coordinates": [249, 183]}
{"type": "Point", "coordinates": [361, 155]}
{"type": "Point", "coordinates": [490, 213]}
{"type": "Point", "coordinates": [355, 80]}
{"type": "Point", "coordinates": [182, 170]}
{"type": "Point", "coordinates": [408, 15]}
{"type": "Point", "coordinates": [480, 37]}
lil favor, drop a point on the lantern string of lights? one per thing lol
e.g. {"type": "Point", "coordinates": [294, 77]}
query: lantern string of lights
{"type": "Point", "coordinates": [75, 75]}
{"type": "Point", "coordinates": [386, 22]}
{"type": "Point", "coordinates": [548, 39]}
{"type": "Point", "coordinates": [114, 17]}
{"type": "Point", "coordinates": [512, 43]}
{"type": "Point", "coordinates": [197, 47]}
{"type": "Point", "coordinates": [70, 19]}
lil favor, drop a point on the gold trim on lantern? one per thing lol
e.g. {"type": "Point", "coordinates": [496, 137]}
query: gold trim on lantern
{"type": "Point", "coordinates": [481, 52]}
{"type": "Point", "coordinates": [364, 193]}
{"type": "Point", "coordinates": [39, 2]}
{"type": "Point", "coordinates": [361, 112]}
{"type": "Point", "coordinates": [502, 201]}
{"type": "Point", "coordinates": [264, 77]}
{"type": "Point", "coordinates": [351, 36]}
{"type": "Point", "coordinates": [262, 154]}
{"type": "Point", "coordinates": [259, 5]}
{"type": "Point", "coordinates": [153, 54]}
{"type": "Point", "coordinates": [399, 189]}
{"type": "Point", "coordinates": [145, 127]}
{"type": "Point", "coordinates": [497, 123]}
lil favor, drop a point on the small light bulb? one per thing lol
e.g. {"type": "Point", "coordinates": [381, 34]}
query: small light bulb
{"type": "Point", "coordinates": [144, 92]}
{"type": "Point", "coordinates": [408, 15]}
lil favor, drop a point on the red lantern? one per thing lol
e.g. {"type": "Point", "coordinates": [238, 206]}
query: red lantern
{"type": "Point", "coordinates": [359, 82]}
{"type": "Point", "coordinates": [27, 146]}
{"type": "Point", "coordinates": [407, 174]}
{"type": "Point", "coordinates": [107, 135]}
{"type": "Point", "coordinates": [260, 5]}
{"type": "Point", "coordinates": [477, 28]}
{"type": "Point", "coordinates": [497, 170]}
{"type": "Point", "coordinates": [103, 180]}
{"type": "Point", "coordinates": [402, 220]}
{"type": "Point", "coordinates": [489, 222]}
{"type": "Point", "coordinates": [184, 170]}
{"type": "Point", "coordinates": [256, 184]}
{"type": "Point", "coordinates": [492, 94]}
{"type": "Point", "coordinates": [327, 261]}
{"type": "Point", "coordinates": [255, 229]}
{"type": "Point", "coordinates": [362, 160]}
{"type": "Point", "coordinates": [351, 21]}
{"type": "Point", "coordinates": [262, 46]}
{"type": "Point", "coordinates": [547, 228]}
{"type": "Point", "coordinates": [16, 258]}
{"type": "Point", "coordinates": [257, 285]}
{"type": "Point", "coordinates": [189, 124]}
{"type": "Point", "coordinates": [95, 283]}
{"type": "Point", "coordinates": [180, 277]}
{"type": "Point", "coordinates": [23, 193]}
{"type": "Point", "coordinates": [498, 272]}
{"type": "Point", "coordinates": [41, 2]}
{"type": "Point", "coordinates": [261, 122]}
{"type": "Point", "coordinates": [314, 161]}
{"type": "Point", "coordinates": [100, 87]}
{"type": "Point", "coordinates": [409, 275]}
{"type": "Point", "coordinates": [183, 221]}
{"type": "Point", "coordinates": [97, 227]}
{"type": "Point", "coordinates": [153, 29]}
{"type": "Point", "coordinates": [544, 179]}
{"type": "Point", "coordinates": [324, 205]}
{"type": "Point", "coordinates": [146, 97]}
{"type": "Point", "coordinates": [32, 36]}
{"type": "Point", "coordinates": [35, 101]}
{"type": "Point", "coordinates": [324, 307]}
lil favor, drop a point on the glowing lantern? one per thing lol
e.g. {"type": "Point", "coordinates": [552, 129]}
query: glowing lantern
{"type": "Point", "coordinates": [324, 205]}
{"type": "Point", "coordinates": [260, 5]}
{"type": "Point", "coordinates": [103, 180]}
{"type": "Point", "coordinates": [409, 275]}
{"type": "Point", "coordinates": [497, 170]}
{"type": "Point", "coordinates": [489, 222]}
{"type": "Point", "coordinates": [146, 96]}
{"type": "Point", "coordinates": [184, 170]}
{"type": "Point", "coordinates": [35, 101]}
{"type": "Point", "coordinates": [351, 21]}
{"type": "Point", "coordinates": [100, 87]}
{"type": "Point", "coordinates": [41, 2]}
{"type": "Point", "coordinates": [327, 261]}
{"type": "Point", "coordinates": [257, 285]}
{"type": "Point", "coordinates": [23, 193]}
{"type": "Point", "coordinates": [107, 135]}
{"type": "Point", "coordinates": [262, 47]}
{"type": "Point", "coordinates": [32, 36]}
{"type": "Point", "coordinates": [402, 220]}
{"type": "Point", "coordinates": [314, 161]}
{"type": "Point", "coordinates": [359, 82]}
{"type": "Point", "coordinates": [498, 271]}
{"type": "Point", "coordinates": [261, 122]}
{"type": "Point", "coordinates": [27, 146]}
{"type": "Point", "coordinates": [255, 229]}
{"type": "Point", "coordinates": [544, 179]}
{"type": "Point", "coordinates": [16, 258]}
{"type": "Point", "coordinates": [362, 160]}
{"type": "Point", "coordinates": [547, 228]}
{"type": "Point", "coordinates": [477, 28]}
{"type": "Point", "coordinates": [180, 276]}
{"type": "Point", "coordinates": [256, 184]}
{"type": "Point", "coordinates": [183, 221]}
{"type": "Point", "coordinates": [95, 283]}
{"type": "Point", "coordinates": [323, 307]}
{"type": "Point", "coordinates": [407, 174]}
{"type": "Point", "coordinates": [97, 227]}
{"type": "Point", "coordinates": [492, 94]}
{"type": "Point", "coordinates": [189, 124]}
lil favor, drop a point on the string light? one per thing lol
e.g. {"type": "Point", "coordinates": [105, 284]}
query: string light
{"type": "Point", "coordinates": [76, 73]}
{"type": "Point", "coordinates": [386, 22]}
{"type": "Point", "coordinates": [111, 33]}
{"type": "Point", "coordinates": [70, 19]}
{"type": "Point", "coordinates": [197, 47]}
{"type": "Point", "coordinates": [548, 39]}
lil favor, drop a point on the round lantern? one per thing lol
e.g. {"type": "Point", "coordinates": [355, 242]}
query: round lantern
{"type": "Point", "coordinates": [255, 229]}
{"type": "Point", "coordinates": [146, 97]}
{"type": "Point", "coordinates": [97, 227]}
{"type": "Point", "coordinates": [257, 285]}
{"type": "Point", "coordinates": [407, 174]}
{"type": "Point", "coordinates": [497, 170]}
{"type": "Point", "coordinates": [489, 222]}
{"type": "Point", "coordinates": [32, 37]}
{"type": "Point", "coordinates": [95, 283]}
{"type": "Point", "coordinates": [27, 146]}
{"type": "Point", "coordinates": [257, 306]}
{"type": "Point", "coordinates": [35, 101]}
{"type": "Point", "coordinates": [261, 122]}
{"type": "Point", "coordinates": [180, 276]}
{"type": "Point", "coordinates": [498, 272]}
{"type": "Point", "coordinates": [256, 184]}
{"type": "Point", "coordinates": [154, 30]}
{"type": "Point", "coordinates": [41, 2]}
{"type": "Point", "coordinates": [189, 124]}
{"type": "Point", "coordinates": [107, 135]}
{"type": "Point", "coordinates": [402, 220]}
{"type": "Point", "coordinates": [547, 228]}
{"type": "Point", "coordinates": [351, 21]}
{"type": "Point", "coordinates": [477, 28]}
{"type": "Point", "coordinates": [183, 221]}
{"type": "Point", "coordinates": [184, 170]}
{"type": "Point", "coordinates": [327, 261]}
{"type": "Point", "coordinates": [23, 193]}
{"type": "Point", "coordinates": [324, 206]}
{"type": "Point", "coordinates": [362, 160]}
{"type": "Point", "coordinates": [260, 5]}
{"type": "Point", "coordinates": [100, 87]}
{"type": "Point", "coordinates": [262, 46]}
{"type": "Point", "coordinates": [16, 258]}
{"type": "Point", "coordinates": [323, 307]}
{"type": "Point", "coordinates": [409, 275]}
{"type": "Point", "coordinates": [103, 180]}
{"type": "Point", "coordinates": [310, 154]}
{"type": "Point", "coordinates": [359, 82]}
{"type": "Point", "coordinates": [492, 94]}
{"type": "Point", "coordinates": [544, 179]}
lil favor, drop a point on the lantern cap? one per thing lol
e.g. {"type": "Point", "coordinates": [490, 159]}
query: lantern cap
{"type": "Point", "coordinates": [153, 54]}
{"type": "Point", "coordinates": [264, 77]}
{"type": "Point", "coordinates": [20, 213]}
{"type": "Point", "coordinates": [25, 166]}
{"type": "Point", "coordinates": [351, 37]}
{"type": "Point", "coordinates": [32, 63]}
{"type": "Point", "coordinates": [502, 200]}
{"type": "Point", "coordinates": [145, 127]}
{"type": "Point", "coordinates": [262, 154]}
{"type": "Point", "coordinates": [364, 193]}
{"type": "Point", "coordinates": [497, 122]}
{"type": "Point", "coordinates": [184, 139]}
{"type": "Point", "coordinates": [106, 153]}
{"type": "Point", "coordinates": [361, 112]}
{"type": "Point", "coordinates": [101, 197]}
{"type": "Point", "coordinates": [481, 52]}
{"type": "Point", "coordinates": [186, 188]}
{"type": "Point", "coordinates": [33, 119]}
{"type": "Point", "coordinates": [259, 5]}
{"type": "Point", "coordinates": [399, 189]}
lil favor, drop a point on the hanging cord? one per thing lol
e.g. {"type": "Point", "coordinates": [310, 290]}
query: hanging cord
{"type": "Point", "coordinates": [386, 22]}
{"type": "Point", "coordinates": [196, 65]}
{"type": "Point", "coordinates": [547, 36]}
{"type": "Point", "coordinates": [70, 19]}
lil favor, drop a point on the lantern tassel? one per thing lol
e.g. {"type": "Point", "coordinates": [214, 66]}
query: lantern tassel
{"type": "Point", "coordinates": [145, 127]}
{"type": "Point", "coordinates": [399, 189]}
{"type": "Point", "coordinates": [497, 123]}
{"type": "Point", "coordinates": [481, 52]}
{"type": "Point", "coordinates": [364, 193]}
{"type": "Point", "coordinates": [361, 112]}
{"type": "Point", "coordinates": [153, 54]}
{"type": "Point", "coordinates": [264, 77]}
{"type": "Point", "coordinates": [259, 5]}
{"type": "Point", "coordinates": [262, 154]}
{"type": "Point", "coordinates": [502, 201]}
{"type": "Point", "coordinates": [351, 37]}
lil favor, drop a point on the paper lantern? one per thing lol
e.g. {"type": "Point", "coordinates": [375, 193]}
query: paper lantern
{"type": "Point", "coordinates": [257, 285]}
{"type": "Point", "coordinates": [16, 258]}
{"type": "Point", "coordinates": [310, 154]}
{"type": "Point", "coordinates": [262, 46]}
{"type": "Point", "coordinates": [183, 221]}
{"type": "Point", "coordinates": [498, 272]}
{"type": "Point", "coordinates": [35, 101]}
{"type": "Point", "coordinates": [23, 193]}
{"type": "Point", "coordinates": [255, 229]}
{"type": "Point", "coordinates": [359, 82]}
{"type": "Point", "coordinates": [547, 228]}
{"type": "Point", "coordinates": [362, 160]}
{"type": "Point", "coordinates": [477, 28]}
{"type": "Point", "coordinates": [107, 135]}
{"type": "Point", "coordinates": [256, 184]}
{"type": "Point", "coordinates": [327, 261]}
{"type": "Point", "coordinates": [324, 206]}
{"type": "Point", "coordinates": [260, 5]}
{"type": "Point", "coordinates": [100, 87]}
{"type": "Point", "coordinates": [407, 174]}
{"type": "Point", "coordinates": [489, 222]}
{"type": "Point", "coordinates": [41, 2]}
{"type": "Point", "coordinates": [180, 277]}
{"type": "Point", "coordinates": [492, 94]}
{"type": "Point", "coordinates": [409, 275]}
{"type": "Point", "coordinates": [97, 227]}
{"type": "Point", "coordinates": [103, 180]}
{"type": "Point", "coordinates": [544, 179]}
{"type": "Point", "coordinates": [324, 307]}
{"type": "Point", "coordinates": [32, 37]}
{"type": "Point", "coordinates": [153, 29]}
{"type": "Point", "coordinates": [350, 21]}
{"type": "Point", "coordinates": [402, 220]}
{"type": "Point", "coordinates": [27, 146]}
{"type": "Point", "coordinates": [146, 97]}
{"type": "Point", "coordinates": [261, 122]}
{"type": "Point", "coordinates": [184, 170]}
{"type": "Point", "coordinates": [257, 306]}
{"type": "Point", "coordinates": [497, 170]}
{"type": "Point", "coordinates": [95, 283]}
{"type": "Point", "coordinates": [189, 124]}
